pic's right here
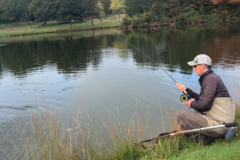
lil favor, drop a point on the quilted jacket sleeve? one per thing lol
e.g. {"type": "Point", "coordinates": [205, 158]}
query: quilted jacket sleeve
{"type": "Point", "coordinates": [192, 94]}
{"type": "Point", "coordinates": [207, 95]}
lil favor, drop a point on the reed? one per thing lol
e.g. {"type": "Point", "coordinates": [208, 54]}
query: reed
{"type": "Point", "coordinates": [53, 140]}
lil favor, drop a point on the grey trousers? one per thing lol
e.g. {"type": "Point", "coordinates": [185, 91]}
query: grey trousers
{"type": "Point", "coordinates": [193, 120]}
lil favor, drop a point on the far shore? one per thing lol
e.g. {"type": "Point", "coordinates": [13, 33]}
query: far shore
{"type": "Point", "coordinates": [172, 23]}
{"type": "Point", "coordinates": [23, 29]}
{"type": "Point", "coordinates": [111, 21]}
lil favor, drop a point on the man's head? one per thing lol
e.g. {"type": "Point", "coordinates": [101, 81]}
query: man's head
{"type": "Point", "coordinates": [201, 63]}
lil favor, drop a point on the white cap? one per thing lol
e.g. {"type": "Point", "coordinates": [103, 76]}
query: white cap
{"type": "Point", "coordinates": [201, 59]}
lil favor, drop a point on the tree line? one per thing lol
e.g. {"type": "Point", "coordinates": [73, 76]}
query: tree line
{"type": "Point", "coordinates": [14, 11]}
{"type": "Point", "coordinates": [134, 7]}
{"type": "Point", "coordinates": [180, 11]}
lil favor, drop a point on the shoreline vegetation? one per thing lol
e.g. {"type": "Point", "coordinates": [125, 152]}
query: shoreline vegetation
{"type": "Point", "coordinates": [170, 23]}
{"type": "Point", "coordinates": [109, 22]}
{"type": "Point", "coordinates": [36, 28]}
{"type": "Point", "coordinates": [180, 13]}
{"type": "Point", "coordinates": [51, 139]}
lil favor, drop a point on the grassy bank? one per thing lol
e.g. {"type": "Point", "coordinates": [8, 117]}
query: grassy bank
{"type": "Point", "coordinates": [22, 29]}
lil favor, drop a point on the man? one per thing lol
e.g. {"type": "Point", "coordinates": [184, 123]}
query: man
{"type": "Point", "coordinates": [213, 106]}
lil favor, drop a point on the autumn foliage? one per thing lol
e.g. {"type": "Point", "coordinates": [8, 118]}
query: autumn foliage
{"type": "Point", "coordinates": [215, 2]}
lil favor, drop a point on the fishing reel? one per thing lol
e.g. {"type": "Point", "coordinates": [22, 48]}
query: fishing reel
{"type": "Point", "coordinates": [185, 97]}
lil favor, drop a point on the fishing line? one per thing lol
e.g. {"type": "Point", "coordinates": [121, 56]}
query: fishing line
{"type": "Point", "coordinates": [184, 97]}
{"type": "Point", "coordinates": [142, 53]}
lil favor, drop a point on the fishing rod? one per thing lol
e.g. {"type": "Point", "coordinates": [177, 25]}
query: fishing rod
{"type": "Point", "coordinates": [184, 97]}
{"type": "Point", "coordinates": [232, 130]}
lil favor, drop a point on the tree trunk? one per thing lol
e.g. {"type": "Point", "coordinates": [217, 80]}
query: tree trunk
{"type": "Point", "coordinates": [45, 23]}
{"type": "Point", "coordinates": [70, 23]}
{"type": "Point", "coordinates": [119, 17]}
{"type": "Point", "coordinates": [92, 19]}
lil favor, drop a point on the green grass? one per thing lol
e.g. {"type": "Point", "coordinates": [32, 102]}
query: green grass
{"type": "Point", "coordinates": [220, 150]}
{"type": "Point", "coordinates": [57, 27]}
{"type": "Point", "coordinates": [54, 36]}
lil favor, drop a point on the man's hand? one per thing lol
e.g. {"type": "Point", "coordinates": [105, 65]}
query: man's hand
{"type": "Point", "coordinates": [188, 103]}
{"type": "Point", "coordinates": [181, 87]}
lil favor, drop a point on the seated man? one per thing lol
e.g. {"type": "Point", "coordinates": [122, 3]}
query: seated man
{"type": "Point", "coordinates": [213, 106]}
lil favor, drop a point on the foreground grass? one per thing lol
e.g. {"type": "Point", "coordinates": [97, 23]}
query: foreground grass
{"type": "Point", "coordinates": [222, 149]}
{"type": "Point", "coordinates": [51, 140]}
{"type": "Point", "coordinates": [7, 30]}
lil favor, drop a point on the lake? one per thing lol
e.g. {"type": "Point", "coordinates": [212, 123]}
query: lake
{"type": "Point", "coordinates": [104, 75]}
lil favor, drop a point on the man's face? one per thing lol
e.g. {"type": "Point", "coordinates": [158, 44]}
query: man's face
{"type": "Point", "coordinates": [198, 69]}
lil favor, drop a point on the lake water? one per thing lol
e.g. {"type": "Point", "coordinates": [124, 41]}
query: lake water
{"type": "Point", "coordinates": [103, 74]}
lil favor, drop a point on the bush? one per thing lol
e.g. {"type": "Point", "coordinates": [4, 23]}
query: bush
{"type": "Point", "coordinates": [126, 21]}
{"type": "Point", "coordinates": [148, 17]}
{"type": "Point", "coordinates": [165, 18]}
{"type": "Point", "coordinates": [212, 17]}
{"type": "Point", "coordinates": [190, 16]}
{"type": "Point", "coordinates": [138, 21]}
{"type": "Point", "coordinates": [135, 20]}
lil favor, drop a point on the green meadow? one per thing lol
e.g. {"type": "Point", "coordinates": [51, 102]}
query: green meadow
{"type": "Point", "coordinates": [23, 29]}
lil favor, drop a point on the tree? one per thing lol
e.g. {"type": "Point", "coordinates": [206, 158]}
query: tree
{"type": "Point", "coordinates": [91, 9]}
{"type": "Point", "coordinates": [70, 9]}
{"type": "Point", "coordinates": [21, 8]}
{"type": "Point", "coordinates": [44, 10]}
{"type": "Point", "coordinates": [138, 6]}
{"type": "Point", "coordinates": [118, 7]}
{"type": "Point", "coordinates": [106, 6]}
{"type": "Point", "coordinates": [8, 10]}
{"type": "Point", "coordinates": [101, 11]}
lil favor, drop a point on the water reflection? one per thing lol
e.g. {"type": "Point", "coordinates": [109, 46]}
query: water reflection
{"type": "Point", "coordinates": [174, 47]}
{"type": "Point", "coordinates": [171, 48]}
{"type": "Point", "coordinates": [69, 55]}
